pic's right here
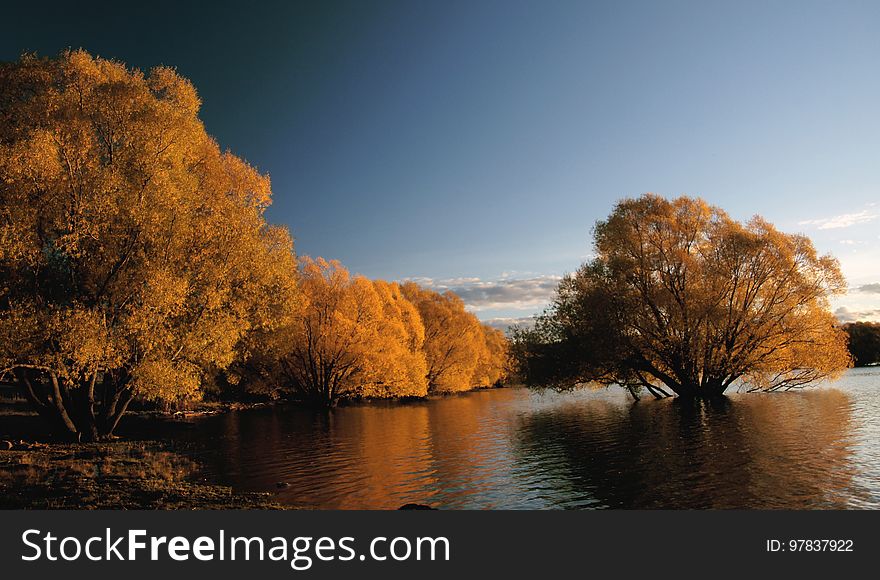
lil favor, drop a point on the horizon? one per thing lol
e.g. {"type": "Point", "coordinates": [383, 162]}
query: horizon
{"type": "Point", "coordinates": [407, 143]}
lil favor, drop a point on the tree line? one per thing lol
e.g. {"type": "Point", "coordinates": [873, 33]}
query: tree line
{"type": "Point", "coordinates": [351, 337]}
{"type": "Point", "coordinates": [136, 263]}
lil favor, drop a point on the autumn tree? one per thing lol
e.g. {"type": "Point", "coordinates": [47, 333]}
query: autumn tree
{"type": "Point", "coordinates": [682, 299]}
{"type": "Point", "coordinates": [454, 339]}
{"type": "Point", "coordinates": [351, 337]}
{"type": "Point", "coordinates": [492, 361]}
{"type": "Point", "coordinates": [864, 342]}
{"type": "Point", "coordinates": [403, 369]}
{"type": "Point", "coordinates": [134, 254]}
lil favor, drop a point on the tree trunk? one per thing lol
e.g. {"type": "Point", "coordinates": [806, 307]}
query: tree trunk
{"type": "Point", "coordinates": [713, 389]}
{"type": "Point", "coordinates": [88, 423]}
{"type": "Point", "coordinates": [656, 391]}
{"type": "Point", "coordinates": [693, 390]}
{"type": "Point", "coordinates": [74, 414]}
{"type": "Point", "coordinates": [59, 405]}
{"type": "Point", "coordinates": [113, 421]}
{"type": "Point", "coordinates": [36, 398]}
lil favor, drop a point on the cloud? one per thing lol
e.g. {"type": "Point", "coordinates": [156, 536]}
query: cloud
{"type": "Point", "coordinates": [842, 221]}
{"type": "Point", "coordinates": [844, 314]}
{"type": "Point", "coordinates": [503, 293]}
{"type": "Point", "coordinates": [505, 323]}
{"type": "Point", "coordinates": [869, 288]}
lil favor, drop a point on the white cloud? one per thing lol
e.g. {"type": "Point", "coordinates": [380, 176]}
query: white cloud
{"type": "Point", "coordinates": [844, 314]}
{"type": "Point", "coordinates": [842, 221]}
{"type": "Point", "coordinates": [505, 323]}
{"type": "Point", "coordinates": [504, 293]}
{"type": "Point", "coordinates": [869, 288]}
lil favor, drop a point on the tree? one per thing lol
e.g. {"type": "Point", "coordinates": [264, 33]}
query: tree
{"type": "Point", "coordinates": [864, 342]}
{"type": "Point", "coordinates": [351, 337]}
{"type": "Point", "coordinates": [492, 361]}
{"type": "Point", "coordinates": [134, 253]}
{"type": "Point", "coordinates": [453, 339]}
{"type": "Point", "coordinates": [400, 359]}
{"type": "Point", "coordinates": [682, 297]}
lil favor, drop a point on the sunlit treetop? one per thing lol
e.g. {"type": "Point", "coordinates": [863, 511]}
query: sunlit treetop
{"type": "Point", "coordinates": [134, 252]}
{"type": "Point", "coordinates": [681, 296]}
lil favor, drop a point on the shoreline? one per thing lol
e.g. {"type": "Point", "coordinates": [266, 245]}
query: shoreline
{"type": "Point", "coordinates": [135, 471]}
{"type": "Point", "coordinates": [114, 475]}
{"type": "Point", "coordinates": [20, 407]}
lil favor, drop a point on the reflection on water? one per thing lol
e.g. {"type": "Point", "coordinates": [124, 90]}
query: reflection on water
{"type": "Point", "coordinates": [512, 448]}
{"type": "Point", "coordinates": [764, 452]}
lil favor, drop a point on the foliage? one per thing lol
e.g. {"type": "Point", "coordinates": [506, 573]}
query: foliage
{"type": "Point", "coordinates": [461, 353]}
{"type": "Point", "coordinates": [681, 296]}
{"type": "Point", "coordinates": [136, 263]}
{"type": "Point", "coordinates": [864, 342]}
{"type": "Point", "coordinates": [134, 252]}
{"type": "Point", "coordinates": [353, 337]}
{"type": "Point", "coordinates": [492, 362]}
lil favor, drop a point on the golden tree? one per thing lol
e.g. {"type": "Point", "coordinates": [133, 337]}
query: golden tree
{"type": "Point", "coordinates": [682, 297]}
{"type": "Point", "coordinates": [351, 337]}
{"type": "Point", "coordinates": [400, 367]}
{"type": "Point", "coordinates": [492, 360]}
{"type": "Point", "coordinates": [134, 253]}
{"type": "Point", "coordinates": [454, 339]}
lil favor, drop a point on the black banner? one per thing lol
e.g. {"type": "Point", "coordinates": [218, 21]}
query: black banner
{"type": "Point", "coordinates": [435, 544]}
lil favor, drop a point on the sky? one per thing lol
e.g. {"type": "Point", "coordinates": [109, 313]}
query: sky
{"type": "Point", "coordinates": [472, 145]}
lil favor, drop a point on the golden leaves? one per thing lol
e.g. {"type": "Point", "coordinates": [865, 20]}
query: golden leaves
{"type": "Point", "coordinates": [460, 352]}
{"type": "Point", "coordinates": [137, 249]}
{"type": "Point", "coordinates": [128, 238]}
{"type": "Point", "coordinates": [682, 295]}
{"type": "Point", "coordinates": [356, 337]}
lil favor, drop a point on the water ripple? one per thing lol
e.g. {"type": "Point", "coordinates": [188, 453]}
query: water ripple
{"type": "Point", "coordinates": [517, 449]}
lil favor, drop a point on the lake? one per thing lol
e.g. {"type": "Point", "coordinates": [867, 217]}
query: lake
{"type": "Point", "coordinates": [594, 449]}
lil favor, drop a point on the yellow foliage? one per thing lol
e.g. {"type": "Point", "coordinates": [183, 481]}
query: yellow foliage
{"type": "Point", "coordinates": [137, 262]}
{"type": "Point", "coordinates": [681, 296]}
{"type": "Point", "coordinates": [492, 362]}
{"type": "Point", "coordinates": [455, 342]}
{"type": "Point", "coordinates": [399, 362]}
{"type": "Point", "coordinates": [710, 300]}
{"type": "Point", "coordinates": [131, 246]}
{"type": "Point", "coordinates": [350, 337]}
{"type": "Point", "coordinates": [353, 337]}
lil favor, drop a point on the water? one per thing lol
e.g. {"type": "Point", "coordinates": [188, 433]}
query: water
{"type": "Point", "coordinates": [517, 449]}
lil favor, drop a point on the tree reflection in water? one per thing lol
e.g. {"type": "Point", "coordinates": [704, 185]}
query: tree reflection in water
{"type": "Point", "coordinates": [787, 450]}
{"type": "Point", "coordinates": [514, 449]}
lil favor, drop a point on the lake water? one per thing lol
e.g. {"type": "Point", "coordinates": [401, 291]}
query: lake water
{"type": "Point", "coordinates": [518, 449]}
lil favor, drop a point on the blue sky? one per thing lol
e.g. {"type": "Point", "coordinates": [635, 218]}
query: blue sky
{"type": "Point", "coordinates": [472, 145]}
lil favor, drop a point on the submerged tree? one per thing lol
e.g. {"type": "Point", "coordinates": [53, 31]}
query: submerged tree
{"type": "Point", "coordinates": [682, 298]}
{"type": "Point", "coordinates": [134, 253]}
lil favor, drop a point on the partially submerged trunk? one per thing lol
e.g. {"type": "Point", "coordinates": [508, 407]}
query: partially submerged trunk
{"type": "Point", "coordinates": [696, 390]}
{"type": "Point", "coordinates": [690, 389]}
{"type": "Point", "coordinates": [85, 411]}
